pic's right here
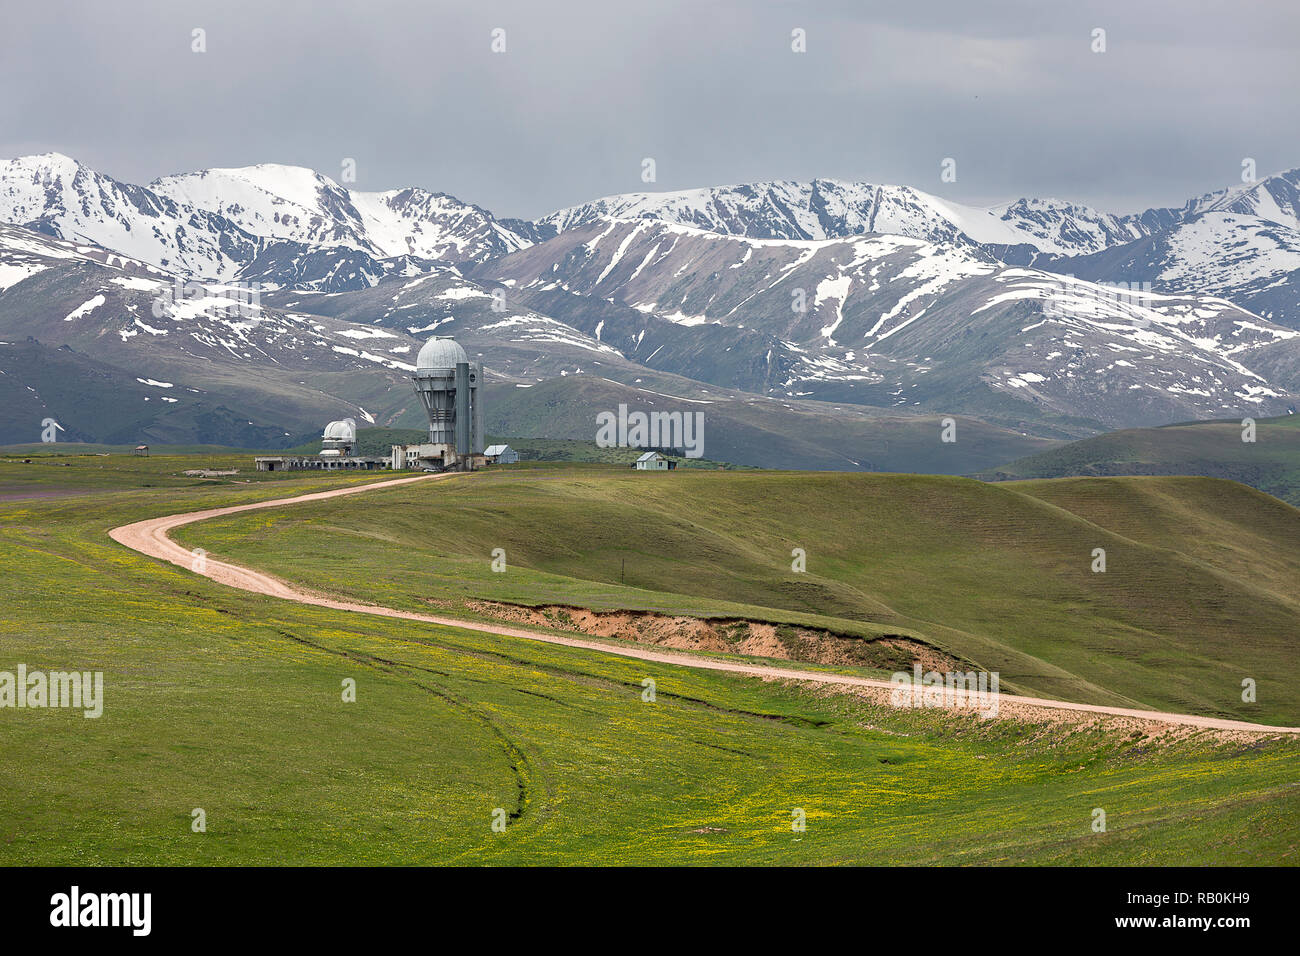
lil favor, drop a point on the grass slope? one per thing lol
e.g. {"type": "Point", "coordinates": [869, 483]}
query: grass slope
{"type": "Point", "coordinates": [228, 702]}
{"type": "Point", "coordinates": [1212, 449]}
{"type": "Point", "coordinates": [1198, 593]}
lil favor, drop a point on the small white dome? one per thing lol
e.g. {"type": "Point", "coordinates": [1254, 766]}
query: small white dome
{"type": "Point", "coordinates": [346, 430]}
{"type": "Point", "coordinates": [441, 351]}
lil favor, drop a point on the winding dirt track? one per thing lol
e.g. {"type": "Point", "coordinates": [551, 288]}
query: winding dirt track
{"type": "Point", "coordinates": [150, 537]}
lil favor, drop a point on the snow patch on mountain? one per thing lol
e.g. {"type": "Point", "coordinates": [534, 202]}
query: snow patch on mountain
{"type": "Point", "coordinates": [85, 308]}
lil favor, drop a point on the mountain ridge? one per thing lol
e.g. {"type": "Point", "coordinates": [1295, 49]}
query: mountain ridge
{"type": "Point", "coordinates": [874, 296]}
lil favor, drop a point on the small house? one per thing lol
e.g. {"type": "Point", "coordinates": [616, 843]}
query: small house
{"type": "Point", "coordinates": [501, 454]}
{"type": "Point", "coordinates": [654, 461]}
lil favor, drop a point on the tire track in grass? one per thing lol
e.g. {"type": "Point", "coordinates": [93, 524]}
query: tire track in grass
{"type": "Point", "coordinates": [520, 766]}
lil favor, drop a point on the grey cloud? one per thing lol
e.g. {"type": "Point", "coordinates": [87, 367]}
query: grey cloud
{"type": "Point", "coordinates": [711, 90]}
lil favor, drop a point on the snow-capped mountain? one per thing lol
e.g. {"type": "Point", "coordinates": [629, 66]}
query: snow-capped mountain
{"type": "Point", "coordinates": [1275, 199]}
{"type": "Point", "coordinates": [302, 206]}
{"type": "Point", "coordinates": [902, 322]}
{"type": "Point", "coordinates": [518, 343]}
{"type": "Point", "coordinates": [203, 337]}
{"type": "Point", "coordinates": [287, 226]}
{"type": "Point", "coordinates": [871, 296]}
{"type": "Point", "coordinates": [1251, 261]}
{"type": "Point", "coordinates": [1241, 244]}
{"type": "Point", "coordinates": [108, 344]}
{"type": "Point", "coordinates": [51, 286]}
{"type": "Point", "coordinates": [281, 225]}
{"type": "Point", "coordinates": [828, 209]}
{"type": "Point", "coordinates": [57, 195]}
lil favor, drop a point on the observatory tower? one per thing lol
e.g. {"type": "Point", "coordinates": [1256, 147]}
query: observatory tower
{"type": "Point", "coordinates": [449, 388]}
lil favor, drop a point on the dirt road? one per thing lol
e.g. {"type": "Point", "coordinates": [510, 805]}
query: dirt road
{"type": "Point", "coordinates": [150, 537]}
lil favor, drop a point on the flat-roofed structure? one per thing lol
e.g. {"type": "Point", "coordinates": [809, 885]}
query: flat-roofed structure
{"type": "Point", "coordinates": [337, 443]}
{"type": "Point", "coordinates": [319, 463]}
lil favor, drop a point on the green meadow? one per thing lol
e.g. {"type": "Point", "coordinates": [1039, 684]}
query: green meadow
{"type": "Point", "coordinates": [232, 703]}
{"type": "Point", "coordinates": [1198, 592]}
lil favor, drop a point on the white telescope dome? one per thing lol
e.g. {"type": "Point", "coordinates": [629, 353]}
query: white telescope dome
{"type": "Point", "coordinates": [345, 430]}
{"type": "Point", "coordinates": [441, 351]}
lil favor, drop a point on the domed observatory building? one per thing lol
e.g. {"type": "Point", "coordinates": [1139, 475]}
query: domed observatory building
{"type": "Point", "coordinates": [338, 442]}
{"type": "Point", "coordinates": [450, 389]}
{"type": "Point", "coordinates": [338, 438]}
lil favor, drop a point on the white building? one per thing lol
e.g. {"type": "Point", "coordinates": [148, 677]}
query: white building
{"type": "Point", "coordinates": [501, 454]}
{"type": "Point", "coordinates": [654, 461]}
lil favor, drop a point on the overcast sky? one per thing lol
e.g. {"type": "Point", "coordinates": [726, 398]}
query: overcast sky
{"type": "Point", "coordinates": [1010, 89]}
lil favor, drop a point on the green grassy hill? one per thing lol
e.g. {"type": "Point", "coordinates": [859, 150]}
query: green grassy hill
{"type": "Point", "coordinates": [1212, 449]}
{"type": "Point", "coordinates": [1198, 593]}
{"type": "Point", "coordinates": [229, 702]}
